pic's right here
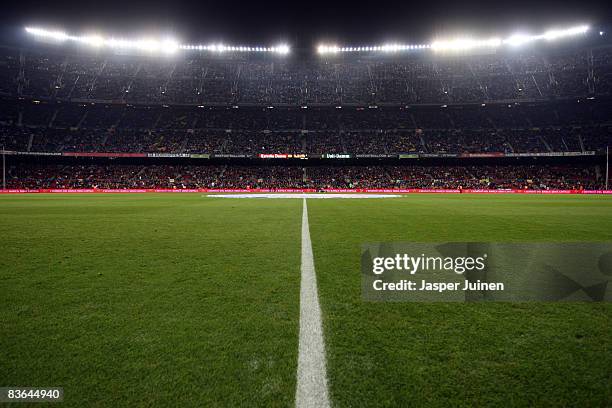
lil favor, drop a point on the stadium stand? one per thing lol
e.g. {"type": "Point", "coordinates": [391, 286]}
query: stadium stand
{"type": "Point", "coordinates": [230, 80]}
{"type": "Point", "coordinates": [553, 102]}
{"type": "Point", "coordinates": [288, 177]}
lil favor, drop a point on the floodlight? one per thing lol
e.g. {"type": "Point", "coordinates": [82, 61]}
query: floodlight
{"type": "Point", "coordinates": [462, 44]}
{"type": "Point", "coordinates": [517, 39]}
{"type": "Point", "coordinates": [166, 46]}
{"type": "Point", "coordinates": [282, 49]}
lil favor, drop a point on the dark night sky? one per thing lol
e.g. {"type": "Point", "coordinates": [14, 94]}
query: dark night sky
{"type": "Point", "coordinates": [303, 23]}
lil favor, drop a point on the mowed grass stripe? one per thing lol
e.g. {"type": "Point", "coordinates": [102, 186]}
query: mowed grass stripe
{"type": "Point", "coordinates": [139, 300]}
{"type": "Point", "coordinates": [403, 354]}
{"type": "Point", "coordinates": [311, 376]}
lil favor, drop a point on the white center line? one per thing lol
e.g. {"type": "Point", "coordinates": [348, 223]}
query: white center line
{"type": "Point", "coordinates": [311, 374]}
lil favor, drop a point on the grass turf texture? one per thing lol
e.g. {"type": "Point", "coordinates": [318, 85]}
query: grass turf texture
{"type": "Point", "coordinates": [188, 301]}
{"type": "Point", "coordinates": [171, 300]}
{"type": "Point", "coordinates": [415, 354]}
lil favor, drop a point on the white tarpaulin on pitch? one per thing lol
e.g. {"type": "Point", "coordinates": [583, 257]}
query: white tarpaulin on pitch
{"type": "Point", "coordinates": [302, 195]}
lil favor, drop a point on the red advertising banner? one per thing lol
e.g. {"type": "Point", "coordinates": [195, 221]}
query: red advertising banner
{"type": "Point", "coordinates": [288, 190]}
{"type": "Point", "coordinates": [98, 154]}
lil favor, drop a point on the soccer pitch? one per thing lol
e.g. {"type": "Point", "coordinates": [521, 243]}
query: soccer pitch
{"type": "Point", "coordinates": [185, 300]}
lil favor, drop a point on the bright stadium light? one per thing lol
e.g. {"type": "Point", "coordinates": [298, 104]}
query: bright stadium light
{"type": "Point", "coordinates": [459, 44]}
{"type": "Point", "coordinates": [520, 39]}
{"type": "Point", "coordinates": [554, 34]}
{"type": "Point", "coordinates": [169, 46]}
{"type": "Point", "coordinates": [94, 40]}
{"type": "Point", "coordinates": [165, 46]}
{"type": "Point", "coordinates": [517, 39]}
{"type": "Point", "coordinates": [54, 35]}
{"type": "Point", "coordinates": [282, 49]}
{"type": "Point", "coordinates": [514, 40]}
{"type": "Point", "coordinates": [328, 49]}
{"type": "Point", "coordinates": [387, 48]}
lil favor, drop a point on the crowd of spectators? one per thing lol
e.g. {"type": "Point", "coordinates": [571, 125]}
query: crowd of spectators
{"type": "Point", "coordinates": [359, 143]}
{"type": "Point", "coordinates": [229, 79]}
{"type": "Point", "coordinates": [471, 177]}
{"type": "Point", "coordinates": [39, 176]}
{"type": "Point", "coordinates": [529, 128]}
{"type": "Point", "coordinates": [521, 102]}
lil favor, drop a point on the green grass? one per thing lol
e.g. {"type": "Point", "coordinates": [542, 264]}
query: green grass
{"type": "Point", "coordinates": [180, 300]}
{"type": "Point", "coordinates": [417, 354]}
{"type": "Point", "coordinates": [172, 300]}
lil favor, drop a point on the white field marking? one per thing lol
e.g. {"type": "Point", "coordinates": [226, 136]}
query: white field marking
{"type": "Point", "coordinates": [311, 374]}
{"type": "Point", "coordinates": [303, 195]}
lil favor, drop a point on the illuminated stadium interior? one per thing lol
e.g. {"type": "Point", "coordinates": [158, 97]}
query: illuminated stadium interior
{"type": "Point", "coordinates": [183, 212]}
{"type": "Point", "coordinates": [493, 113]}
